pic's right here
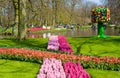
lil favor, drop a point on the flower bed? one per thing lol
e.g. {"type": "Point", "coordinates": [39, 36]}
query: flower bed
{"type": "Point", "coordinates": [64, 45]}
{"type": "Point", "coordinates": [105, 63]}
{"type": "Point", "coordinates": [51, 68]}
{"type": "Point", "coordinates": [36, 29]}
{"type": "Point", "coordinates": [75, 70]}
{"type": "Point", "coordinates": [59, 43]}
{"type": "Point", "coordinates": [53, 43]}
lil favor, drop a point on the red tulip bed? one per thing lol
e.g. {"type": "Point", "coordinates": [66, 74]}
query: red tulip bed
{"type": "Point", "coordinates": [36, 29]}
{"type": "Point", "coordinates": [73, 64]}
{"type": "Point", "coordinates": [107, 63]}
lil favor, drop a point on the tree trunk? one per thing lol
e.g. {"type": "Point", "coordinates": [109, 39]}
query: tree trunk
{"type": "Point", "coordinates": [22, 29]}
{"type": "Point", "coordinates": [15, 30]}
{"type": "Point", "coordinates": [20, 19]}
{"type": "Point", "coordinates": [101, 30]}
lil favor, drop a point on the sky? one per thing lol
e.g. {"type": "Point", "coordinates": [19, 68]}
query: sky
{"type": "Point", "coordinates": [95, 1]}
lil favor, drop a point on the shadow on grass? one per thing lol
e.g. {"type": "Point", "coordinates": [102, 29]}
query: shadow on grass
{"type": "Point", "coordinates": [3, 63]}
{"type": "Point", "coordinates": [113, 40]}
{"type": "Point", "coordinates": [29, 43]}
{"type": "Point", "coordinates": [108, 53]}
{"type": "Point", "coordinates": [21, 67]}
{"type": "Point", "coordinates": [83, 37]}
{"type": "Point", "coordinates": [79, 47]}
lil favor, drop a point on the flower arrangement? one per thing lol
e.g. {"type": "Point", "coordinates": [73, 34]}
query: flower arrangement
{"type": "Point", "coordinates": [100, 14]}
{"type": "Point", "coordinates": [105, 63]}
{"type": "Point", "coordinates": [75, 70]}
{"type": "Point", "coordinates": [51, 68]}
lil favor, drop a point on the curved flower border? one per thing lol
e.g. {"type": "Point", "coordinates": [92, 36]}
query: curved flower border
{"type": "Point", "coordinates": [105, 63]}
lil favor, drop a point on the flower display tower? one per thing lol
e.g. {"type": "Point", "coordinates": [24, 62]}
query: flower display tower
{"type": "Point", "coordinates": [100, 15]}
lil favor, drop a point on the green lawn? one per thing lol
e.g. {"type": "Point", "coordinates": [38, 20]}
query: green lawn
{"type": "Point", "coordinates": [94, 73]}
{"type": "Point", "coordinates": [89, 46]}
{"type": "Point", "coordinates": [95, 46]}
{"type": "Point", "coordinates": [17, 69]}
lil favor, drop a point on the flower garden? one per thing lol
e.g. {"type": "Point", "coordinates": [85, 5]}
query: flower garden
{"type": "Point", "coordinates": [55, 64]}
{"type": "Point", "coordinates": [71, 63]}
{"type": "Point", "coordinates": [91, 54]}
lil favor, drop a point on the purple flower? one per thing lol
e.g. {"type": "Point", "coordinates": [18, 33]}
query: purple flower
{"type": "Point", "coordinates": [53, 43]}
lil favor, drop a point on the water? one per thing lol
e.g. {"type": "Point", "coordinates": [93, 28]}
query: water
{"type": "Point", "coordinates": [76, 33]}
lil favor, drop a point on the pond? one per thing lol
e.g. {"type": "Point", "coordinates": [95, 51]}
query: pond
{"type": "Point", "coordinates": [76, 33]}
{"type": "Point", "coordinates": [71, 33]}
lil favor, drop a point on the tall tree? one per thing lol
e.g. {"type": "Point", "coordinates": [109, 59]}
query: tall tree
{"type": "Point", "coordinates": [115, 10]}
{"type": "Point", "coordinates": [16, 11]}
{"type": "Point", "coordinates": [20, 19]}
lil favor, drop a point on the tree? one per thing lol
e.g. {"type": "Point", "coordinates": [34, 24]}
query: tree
{"type": "Point", "coordinates": [114, 8]}
{"type": "Point", "coordinates": [20, 19]}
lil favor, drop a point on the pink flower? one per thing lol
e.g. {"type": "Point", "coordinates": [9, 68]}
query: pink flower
{"type": "Point", "coordinates": [53, 43]}
{"type": "Point", "coordinates": [52, 68]}
{"type": "Point", "coordinates": [64, 45]}
{"type": "Point", "coordinates": [75, 70]}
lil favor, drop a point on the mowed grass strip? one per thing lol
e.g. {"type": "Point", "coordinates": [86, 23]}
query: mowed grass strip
{"type": "Point", "coordinates": [18, 69]}
{"type": "Point", "coordinates": [94, 73]}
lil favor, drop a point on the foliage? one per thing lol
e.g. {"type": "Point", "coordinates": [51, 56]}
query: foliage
{"type": "Point", "coordinates": [5, 30]}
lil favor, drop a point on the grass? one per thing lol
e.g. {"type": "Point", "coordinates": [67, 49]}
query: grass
{"type": "Point", "coordinates": [38, 43]}
{"type": "Point", "coordinates": [51, 31]}
{"type": "Point", "coordinates": [18, 69]}
{"type": "Point", "coordinates": [83, 45]}
{"type": "Point", "coordinates": [94, 73]}
{"type": "Point", "coordinates": [96, 46]}
{"type": "Point", "coordinates": [4, 29]}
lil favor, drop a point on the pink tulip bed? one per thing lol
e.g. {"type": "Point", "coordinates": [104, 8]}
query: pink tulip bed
{"type": "Point", "coordinates": [53, 43]}
{"type": "Point", "coordinates": [53, 68]}
{"type": "Point", "coordinates": [59, 43]}
{"type": "Point", "coordinates": [64, 44]}
{"type": "Point", "coordinates": [75, 70]}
